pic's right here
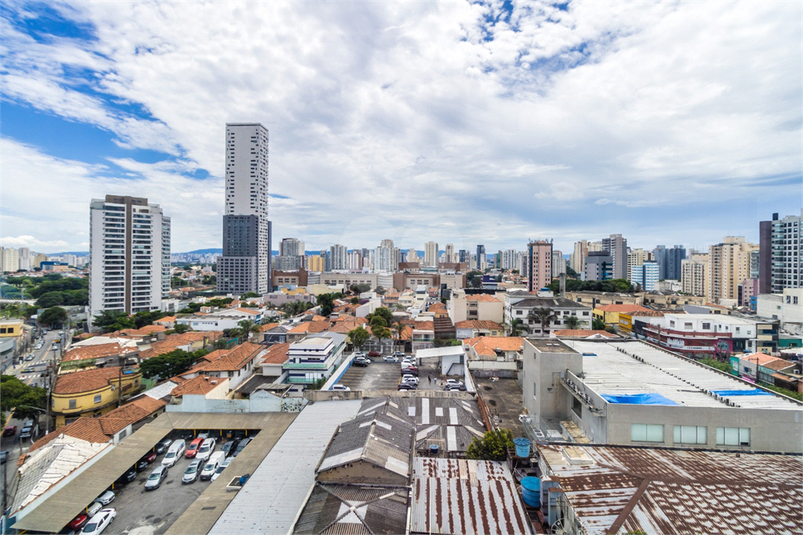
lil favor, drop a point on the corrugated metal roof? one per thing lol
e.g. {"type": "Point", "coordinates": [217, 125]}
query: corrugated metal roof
{"type": "Point", "coordinates": [348, 509]}
{"type": "Point", "coordinates": [458, 496]}
{"type": "Point", "coordinates": [679, 491]}
{"type": "Point", "coordinates": [271, 499]}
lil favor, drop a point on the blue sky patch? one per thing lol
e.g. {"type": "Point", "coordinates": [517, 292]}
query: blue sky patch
{"type": "Point", "coordinates": [46, 24]}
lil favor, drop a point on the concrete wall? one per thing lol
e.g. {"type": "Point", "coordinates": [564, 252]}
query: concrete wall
{"type": "Point", "coordinates": [362, 472]}
{"type": "Point", "coordinates": [542, 392]}
{"type": "Point", "coordinates": [198, 403]}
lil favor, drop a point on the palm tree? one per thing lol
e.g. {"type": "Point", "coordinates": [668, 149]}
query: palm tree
{"type": "Point", "coordinates": [248, 328]}
{"type": "Point", "coordinates": [544, 316]}
{"type": "Point", "coordinates": [573, 322]}
{"type": "Point", "coordinates": [400, 328]}
{"type": "Point", "coordinates": [516, 326]}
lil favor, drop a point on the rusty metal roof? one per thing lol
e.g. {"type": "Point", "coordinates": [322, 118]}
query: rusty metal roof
{"type": "Point", "coordinates": [660, 490]}
{"type": "Point", "coordinates": [459, 496]}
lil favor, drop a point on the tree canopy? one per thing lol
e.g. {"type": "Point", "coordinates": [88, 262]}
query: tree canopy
{"type": "Point", "coordinates": [381, 312]}
{"type": "Point", "coordinates": [113, 320]}
{"type": "Point", "coordinates": [615, 285]}
{"type": "Point", "coordinates": [53, 317]}
{"type": "Point", "coordinates": [327, 303]}
{"type": "Point", "coordinates": [15, 393]}
{"type": "Point", "coordinates": [170, 364]}
{"type": "Point", "coordinates": [359, 336]}
{"type": "Point", "coordinates": [357, 289]}
{"type": "Point", "coordinates": [192, 308]}
{"type": "Point", "coordinates": [492, 447]}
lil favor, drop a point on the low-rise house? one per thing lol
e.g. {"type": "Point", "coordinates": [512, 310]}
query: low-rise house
{"type": "Point", "coordinates": [99, 350]}
{"type": "Point", "coordinates": [626, 325]}
{"type": "Point", "coordinates": [236, 364]}
{"type": "Point", "coordinates": [220, 320]}
{"type": "Point", "coordinates": [92, 392]}
{"type": "Point", "coordinates": [494, 355]}
{"type": "Point", "coordinates": [483, 307]}
{"type": "Point", "coordinates": [190, 341]}
{"type": "Point", "coordinates": [707, 335]}
{"type": "Point", "coordinates": [305, 328]}
{"type": "Point", "coordinates": [519, 308]}
{"type": "Point", "coordinates": [314, 358]}
{"type": "Point", "coordinates": [476, 328]}
{"type": "Point", "coordinates": [273, 360]}
{"type": "Point", "coordinates": [423, 335]}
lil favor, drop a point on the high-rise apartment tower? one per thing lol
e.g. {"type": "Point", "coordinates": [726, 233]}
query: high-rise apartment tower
{"type": "Point", "coordinates": [129, 249]}
{"type": "Point", "coordinates": [243, 267]}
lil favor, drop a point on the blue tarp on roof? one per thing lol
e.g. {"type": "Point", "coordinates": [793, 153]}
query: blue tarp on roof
{"type": "Point", "coordinates": [751, 392]}
{"type": "Point", "coordinates": [639, 399]}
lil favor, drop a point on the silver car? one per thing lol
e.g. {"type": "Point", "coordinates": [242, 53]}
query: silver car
{"type": "Point", "coordinates": [191, 473]}
{"type": "Point", "coordinates": [155, 479]}
{"type": "Point", "coordinates": [206, 449]}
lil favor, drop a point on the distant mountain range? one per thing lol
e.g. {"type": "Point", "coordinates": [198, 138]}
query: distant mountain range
{"type": "Point", "coordinates": [204, 251]}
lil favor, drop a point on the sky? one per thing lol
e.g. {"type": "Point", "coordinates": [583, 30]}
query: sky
{"type": "Point", "coordinates": [458, 122]}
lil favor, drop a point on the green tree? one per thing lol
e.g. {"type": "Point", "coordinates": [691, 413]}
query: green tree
{"type": "Point", "coordinates": [544, 316]}
{"type": "Point", "coordinates": [169, 364]}
{"type": "Point", "coordinates": [327, 303]}
{"type": "Point", "coordinates": [16, 394]}
{"type": "Point", "coordinates": [178, 282]}
{"type": "Point", "coordinates": [181, 328]}
{"type": "Point", "coordinates": [248, 328]}
{"type": "Point", "coordinates": [597, 324]}
{"type": "Point", "coordinates": [359, 336]}
{"type": "Point", "coordinates": [573, 322]}
{"type": "Point", "coordinates": [113, 320]}
{"type": "Point", "coordinates": [50, 299]}
{"type": "Point", "coordinates": [357, 289]}
{"type": "Point", "coordinates": [249, 295]}
{"type": "Point", "coordinates": [53, 317]}
{"type": "Point", "coordinates": [492, 447]}
{"type": "Point", "coordinates": [380, 290]}
{"type": "Point", "coordinates": [142, 319]}
{"type": "Point", "coordinates": [381, 312]}
{"type": "Point", "coordinates": [381, 332]}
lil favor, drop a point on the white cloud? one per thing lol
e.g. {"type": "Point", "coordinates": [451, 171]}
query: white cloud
{"type": "Point", "coordinates": [387, 119]}
{"type": "Point", "coordinates": [31, 242]}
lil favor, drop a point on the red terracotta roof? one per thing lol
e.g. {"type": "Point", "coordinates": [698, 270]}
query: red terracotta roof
{"type": "Point", "coordinates": [198, 385]}
{"type": "Point", "coordinates": [175, 341]}
{"type": "Point", "coordinates": [306, 327]}
{"type": "Point", "coordinates": [277, 354]}
{"type": "Point", "coordinates": [479, 325]}
{"type": "Point", "coordinates": [482, 297]}
{"type": "Point", "coordinates": [486, 345]}
{"type": "Point", "coordinates": [235, 358]}
{"type": "Point", "coordinates": [90, 352]}
{"type": "Point", "coordinates": [86, 381]}
{"type": "Point", "coordinates": [585, 333]}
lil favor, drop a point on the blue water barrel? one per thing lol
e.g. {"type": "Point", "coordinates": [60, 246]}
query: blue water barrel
{"type": "Point", "coordinates": [433, 449]}
{"type": "Point", "coordinates": [522, 447]}
{"type": "Point", "coordinates": [531, 491]}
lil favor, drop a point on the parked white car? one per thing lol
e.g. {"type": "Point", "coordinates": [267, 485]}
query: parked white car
{"type": "Point", "coordinates": [106, 498]}
{"type": "Point", "coordinates": [100, 521]}
{"type": "Point", "coordinates": [212, 465]}
{"type": "Point", "coordinates": [409, 379]}
{"type": "Point", "coordinates": [206, 449]}
{"type": "Point", "coordinates": [341, 388]}
{"type": "Point", "coordinates": [220, 468]}
{"type": "Point", "coordinates": [174, 452]}
{"type": "Point", "coordinates": [191, 473]}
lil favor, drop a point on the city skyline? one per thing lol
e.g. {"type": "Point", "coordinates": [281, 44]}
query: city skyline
{"type": "Point", "coordinates": [453, 123]}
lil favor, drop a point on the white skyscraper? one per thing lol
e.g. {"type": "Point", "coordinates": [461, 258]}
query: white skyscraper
{"type": "Point", "coordinates": [339, 254]}
{"type": "Point", "coordinates": [129, 248]}
{"type": "Point", "coordinates": [449, 253]}
{"type": "Point", "coordinates": [431, 254]}
{"type": "Point", "coordinates": [243, 267]}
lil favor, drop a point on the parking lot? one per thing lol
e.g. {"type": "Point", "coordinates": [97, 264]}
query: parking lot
{"type": "Point", "coordinates": [152, 512]}
{"type": "Point", "coordinates": [385, 376]}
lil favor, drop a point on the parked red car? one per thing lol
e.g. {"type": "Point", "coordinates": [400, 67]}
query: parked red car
{"type": "Point", "coordinates": [373, 354]}
{"type": "Point", "coordinates": [10, 431]}
{"type": "Point", "coordinates": [78, 522]}
{"type": "Point", "coordinates": [192, 449]}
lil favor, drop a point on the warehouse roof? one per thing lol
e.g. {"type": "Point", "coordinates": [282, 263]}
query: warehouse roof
{"type": "Point", "coordinates": [614, 489]}
{"type": "Point", "coordinates": [630, 367]}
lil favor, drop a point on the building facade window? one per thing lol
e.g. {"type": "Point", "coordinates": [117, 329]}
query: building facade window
{"type": "Point", "coordinates": [577, 407]}
{"type": "Point", "coordinates": [97, 399]}
{"type": "Point", "coordinates": [733, 436]}
{"type": "Point", "coordinates": [535, 389]}
{"type": "Point", "coordinates": [691, 434]}
{"type": "Point", "coordinates": [646, 433]}
{"type": "Point", "coordinates": [72, 404]}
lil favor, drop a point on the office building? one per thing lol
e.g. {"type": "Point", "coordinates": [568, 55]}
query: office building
{"type": "Point", "coordinates": [669, 261]}
{"type": "Point", "coordinates": [463, 256]}
{"type": "Point", "coordinates": [481, 259]}
{"type": "Point", "coordinates": [645, 275]}
{"type": "Point", "coordinates": [780, 257]}
{"type": "Point", "coordinates": [243, 267]}
{"type": "Point", "coordinates": [129, 248]}
{"type": "Point", "coordinates": [729, 265]}
{"type": "Point", "coordinates": [339, 256]}
{"type": "Point", "coordinates": [431, 254]}
{"type": "Point", "coordinates": [599, 266]}
{"type": "Point", "coordinates": [616, 245]}
{"type": "Point", "coordinates": [384, 256]}
{"type": "Point", "coordinates": [291, 247]}
{"type": "Point", "coordinates": [9, 260]}
{"type": "Point", "coordinates": [539, 265]}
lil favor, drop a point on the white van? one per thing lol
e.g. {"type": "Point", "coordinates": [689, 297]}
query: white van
{"type": "Point", "coordinates": [174, 452]}
{"type": "Point", "coordinates": [211, 465]}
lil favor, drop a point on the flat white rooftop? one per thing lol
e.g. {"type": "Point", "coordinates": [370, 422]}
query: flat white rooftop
{"type": "Point", "coordinates": [273, 496]}
{"type": "Point", "coordinates": [610, 372]}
